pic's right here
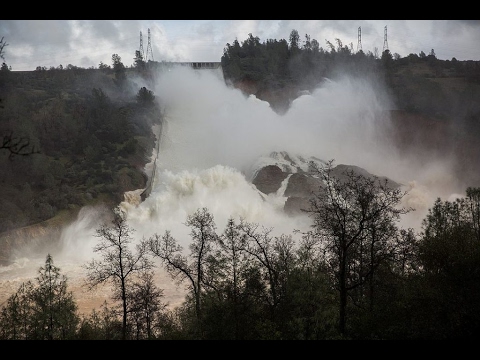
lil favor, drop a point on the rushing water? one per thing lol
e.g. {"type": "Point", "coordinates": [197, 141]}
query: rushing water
{"type": "Point", "coordinates": [213, 141]}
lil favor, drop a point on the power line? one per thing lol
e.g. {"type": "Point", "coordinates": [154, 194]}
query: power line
{"type": "Point", "coordinates": [402, 42]}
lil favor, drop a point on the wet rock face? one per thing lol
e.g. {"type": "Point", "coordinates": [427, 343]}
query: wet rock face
{"type": "Point", "coordinates": [302, 183]}
{"type": "Point", "coordinates": [341, 170]}
{"type": "Point", "coordinates": [269, 179]}
{"type": "Point", "coordinates": [296, 204]}
{"type": "Point", "coordinates": [299, 189]}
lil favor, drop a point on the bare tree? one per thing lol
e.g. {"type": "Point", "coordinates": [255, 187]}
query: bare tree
{"type": "Point", "coordinates": [118, 264]}
{"type": "Point", "coordinates": [101, 324]}
{"type": "Point", "coordinates": [231, 258]}
{"type": "Point", "coordinates": [354, 217]}
{"type": "Point", "coordinates": [147, 306]}
{"type": "Point", "coordinates": [274, 256]}
{"type": "Point", "coordinates": [473, 203]}
{"type": "Point", "coordinates": [17, 145]}
{"type": "Point", "coordinates": [194, 267]}
{"type": "Point", "coordinates": [3, 43]}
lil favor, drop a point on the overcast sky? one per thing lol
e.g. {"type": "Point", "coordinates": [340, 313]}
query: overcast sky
{"type": "Point", "coordinates": [86, 43]}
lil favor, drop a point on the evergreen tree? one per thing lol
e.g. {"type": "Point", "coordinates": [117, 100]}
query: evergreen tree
{"type": "Point", "coordinates": [54, 309]}
{"type": "Point", "coordinates": [47, 311]}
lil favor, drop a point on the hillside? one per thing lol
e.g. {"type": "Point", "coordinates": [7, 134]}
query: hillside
{"type": "Point", "coordinates": [88, 136]}
{"type": "Point", "coordinates": [435, 110]}
{"type": "Point", "coordinates": [91, 133]}
{"type": "Point", "coordinates": [93, 130]}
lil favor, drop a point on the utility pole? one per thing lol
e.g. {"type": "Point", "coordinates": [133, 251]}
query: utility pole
{"type": "Point", "coordinates": [149, 47]}
{"type": "Point", "coordinates": [385, 43]}
{"type": "Point", "coordinates": [142, 54]}
{"type": "Point", "coordinates": [359, 43]}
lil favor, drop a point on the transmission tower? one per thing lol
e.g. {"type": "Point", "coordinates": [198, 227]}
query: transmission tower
{"type": "Point", "coordinates": [359, 44]}
{"type": "Point", "coordinates": [149, 47]}
{"type": "Point", "coordinates": [141, 46]}
{"type": "Point", "coordinates": [385, 43]}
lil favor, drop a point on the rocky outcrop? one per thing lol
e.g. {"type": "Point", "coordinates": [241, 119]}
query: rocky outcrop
{"type": "Point", "coordinates": [300, 188]}
{"type": "Point", "coordinates": [302, 185]}
{"type": "Point", "coordinates": [269, 179]}
{"type": "Point", "coordinates": [302, 181]}
{"type": "Point", "coordinates": [340, 172]}
{"type": "Point", "coordinates": [279, 98]}
{"type": "Point", "coordinates": [296, 204]}
{"type": "Point", "coordinates": [35, 236]}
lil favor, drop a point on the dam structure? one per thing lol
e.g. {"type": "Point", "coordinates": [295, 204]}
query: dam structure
{"type": "Point", "coordinates": [194, 65]}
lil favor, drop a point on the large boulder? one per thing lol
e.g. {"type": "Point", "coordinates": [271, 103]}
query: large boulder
{"type": "Point", "coordinates": [296, 204]}
{"type": "Point", "coordinates": [341, 170]}
{"type": "Point", "coordinates": [302, 185]}
{"type": "Point", "coordinates": [300, 188]}
{"type": "Point", "coordinates": [269, 179]}
{"type": "Point", "coordinates": [302, 181]}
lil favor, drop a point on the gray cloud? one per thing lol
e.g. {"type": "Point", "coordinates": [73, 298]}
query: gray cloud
{"type": "Point", "coordinates": [86, 43]}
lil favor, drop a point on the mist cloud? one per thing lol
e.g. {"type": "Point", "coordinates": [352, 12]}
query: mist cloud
{"type": "Point", "coordinates": [214, 135]}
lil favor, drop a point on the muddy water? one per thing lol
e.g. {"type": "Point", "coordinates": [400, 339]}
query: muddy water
{"type": "Point", "coordinates": [23, 270]}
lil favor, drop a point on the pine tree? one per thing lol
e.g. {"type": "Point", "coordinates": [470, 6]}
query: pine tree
{"type": "Point", "coordinates": [54, 314]}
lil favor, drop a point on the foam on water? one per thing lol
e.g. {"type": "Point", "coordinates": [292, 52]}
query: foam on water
{"type": "Point", "coordinates": [214, 139]}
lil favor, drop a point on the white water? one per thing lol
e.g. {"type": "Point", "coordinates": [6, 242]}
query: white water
{"type": "Point", "coordinates": [213, 141]}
